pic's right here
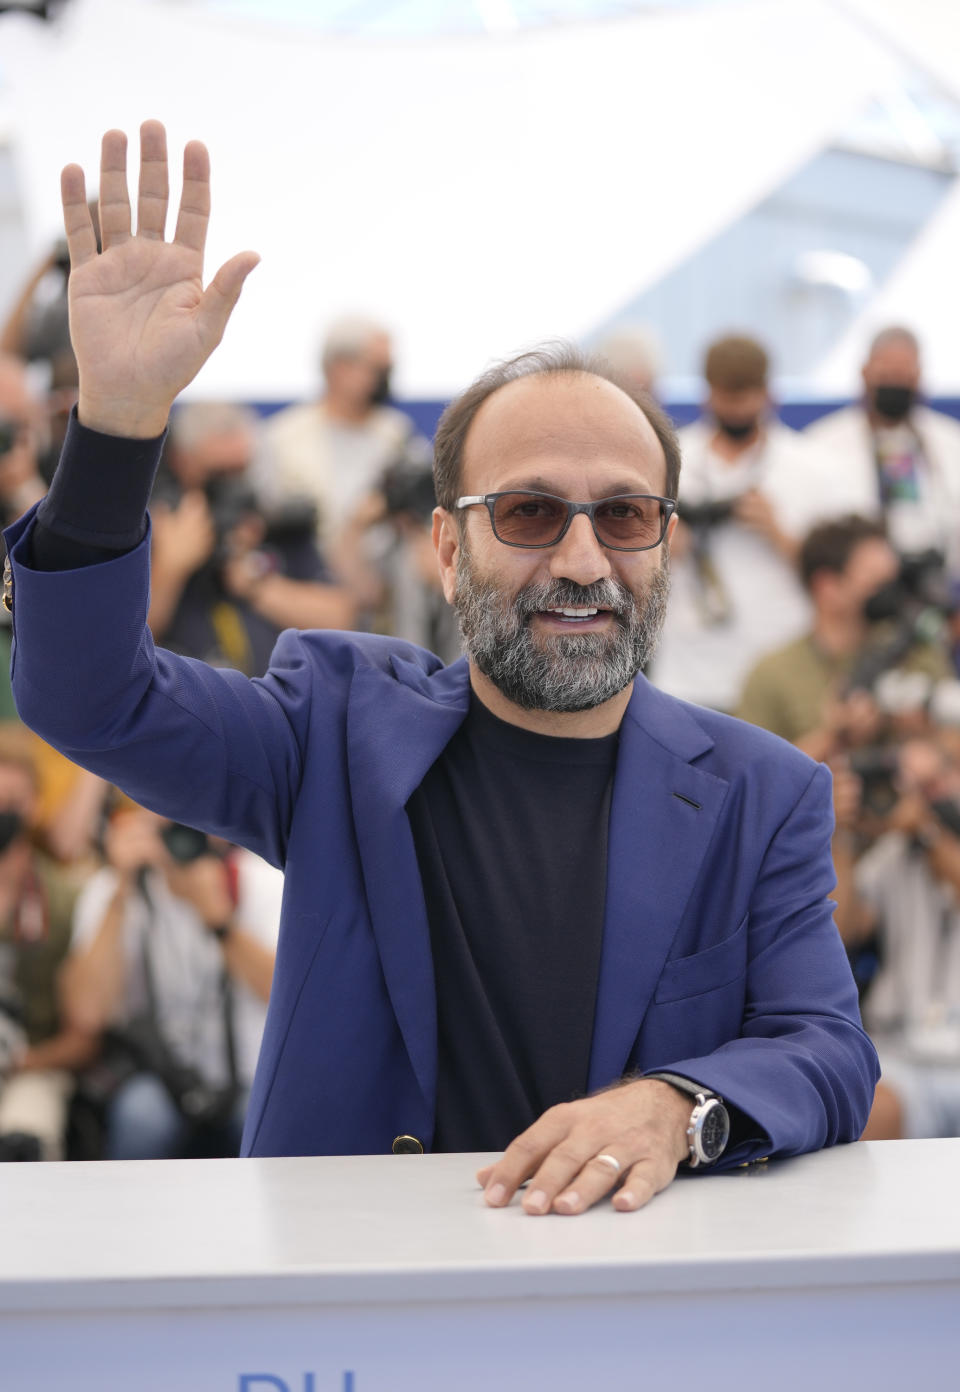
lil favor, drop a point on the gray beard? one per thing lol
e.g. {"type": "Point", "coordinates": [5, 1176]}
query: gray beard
{"type": "Point", "coordinates": [562, 672]}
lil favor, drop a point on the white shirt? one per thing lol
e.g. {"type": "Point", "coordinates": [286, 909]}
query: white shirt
{"type": "Point", "coordinates": [705, 661]}
{"type": "Point", "coordinates": [306, 454]}
{"type": "Point", "coordinates": [187, 964]}
{"type": "Point", "coordinates": [916, 992]}
{"type": "Point", "coordinates": [933, 520]}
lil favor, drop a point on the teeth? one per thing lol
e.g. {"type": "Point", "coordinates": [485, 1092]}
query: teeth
{"type": "Point", "coordinates": [575, 613]}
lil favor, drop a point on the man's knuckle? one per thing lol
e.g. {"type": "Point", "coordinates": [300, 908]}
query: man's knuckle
{"type": "Point", "coordinates": [560, 1112]}
{"type": "Point", "coordinates": [522, 1148]}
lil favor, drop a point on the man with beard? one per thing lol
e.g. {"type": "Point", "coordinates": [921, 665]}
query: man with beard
{"type": "Point", "coordinates": [531, 902]}
{"type": "Point", "coordinates": [898, 458]}
{"type": "Point", "coordinates": [333, 450]}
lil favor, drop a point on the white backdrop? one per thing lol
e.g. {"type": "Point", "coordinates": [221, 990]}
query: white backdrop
{"type": "Point", "coordinates": [478, 194]}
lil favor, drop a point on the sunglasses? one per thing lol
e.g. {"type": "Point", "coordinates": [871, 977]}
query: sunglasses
{"type": "Point", "coordinates": [628, 522]}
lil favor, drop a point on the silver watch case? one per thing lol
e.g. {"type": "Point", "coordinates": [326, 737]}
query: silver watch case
{"type": "Point", "coordinates": [708, 1131]}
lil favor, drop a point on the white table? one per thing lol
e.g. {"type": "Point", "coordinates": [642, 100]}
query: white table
{"type": "Point", "coordinates": [388, 1274]}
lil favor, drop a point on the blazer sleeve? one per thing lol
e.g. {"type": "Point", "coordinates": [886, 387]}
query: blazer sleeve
{"type": "Point", "coordinates": [202, 745]}
{"type": "Point", "coordinates": [803, 1068]}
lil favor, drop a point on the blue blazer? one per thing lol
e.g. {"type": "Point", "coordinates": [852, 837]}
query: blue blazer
{"type": "Point", "coordinates": [720, 958]}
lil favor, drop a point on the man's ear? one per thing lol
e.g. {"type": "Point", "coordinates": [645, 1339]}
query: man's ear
{"type": "Point", "coordinates": [446, 543]}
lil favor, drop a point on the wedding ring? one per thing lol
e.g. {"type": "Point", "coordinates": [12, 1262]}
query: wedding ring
{"type": "Point", "coordinates": [610, 1160]}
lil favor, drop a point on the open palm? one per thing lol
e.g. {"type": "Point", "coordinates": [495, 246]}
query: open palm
{"type": "Point", "coordinates": [141, 323]}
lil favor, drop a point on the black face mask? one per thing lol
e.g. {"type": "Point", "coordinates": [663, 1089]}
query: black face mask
{"type": "Point", "coordinates": [737, 430]}
{"type": "Point", "coordinates": [380, 394]}
{"type": "Point", "coordinates": [11, 825]}
{"type": "Point", "coordinates": [893, 403]}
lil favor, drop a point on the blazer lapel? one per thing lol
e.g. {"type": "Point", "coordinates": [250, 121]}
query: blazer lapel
{"type": "Point", "coordinates": [662, 817]}
{"type": "Point", "coordinates": [396, 728]}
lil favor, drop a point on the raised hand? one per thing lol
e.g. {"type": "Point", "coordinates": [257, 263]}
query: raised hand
{"type": "Point", "coordinates": [141, 323]}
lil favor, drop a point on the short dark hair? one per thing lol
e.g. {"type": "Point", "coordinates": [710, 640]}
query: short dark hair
{"type": "Point", "coordinates": [736, 363]}
{"type": "Point", "coordinates": [830, 545]}
{"type": "Point", "coordinates": [551, 359]}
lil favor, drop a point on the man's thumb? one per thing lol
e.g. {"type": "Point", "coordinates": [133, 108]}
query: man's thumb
{"type": "Point", "coordinates": [222, 294]}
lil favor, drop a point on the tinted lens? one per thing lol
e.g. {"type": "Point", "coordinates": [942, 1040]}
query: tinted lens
{"type": "Point", "coordinates": [528, 519]}
{"type": "Point", "coordinates": [632, 523]}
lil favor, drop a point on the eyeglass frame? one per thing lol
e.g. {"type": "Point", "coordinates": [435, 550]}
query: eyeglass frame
{"type": "Point", "coordinates": [668, 509]}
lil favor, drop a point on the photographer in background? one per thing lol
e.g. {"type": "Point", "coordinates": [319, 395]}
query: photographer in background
{"type": "Point", "coordinates": [855, 692]}
{"type": "Point", "coordinates": [749, 490]}
{"type": "Point", "coordinates": [384, 554]}
{"type": "Point", "coordinates": [818, 692]}
{"type": "Point", "coordinates": [333, 450]}
{"type": "Point", "coordinates": [900, 457]}
{"type": "Point", "coordinates": [20, 482]}
{"type": "Point", "coordinates": [809, 691]}
{"type": "Point", "coordinates": [37, 328]}
{"type": "Point", "coordinates": [39, 1049]}
{"type": "Point", "coordinates": [173, 954]}
{"type": "Point", "coordinates": [906, 895]}
{"type": "Point", "coordinates": [227, 576]}
{"type": "Point", "coordinates": [21, 426]}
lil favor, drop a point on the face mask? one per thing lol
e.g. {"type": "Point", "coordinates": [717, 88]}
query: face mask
{"type": "Point", "coordinates": [893, 403]}
{"type": "Point", "coordinates": [737, 430]}
{"type": "Point", "coordinates": [380, 394]}
{"type": "Point", "coordinates": [11, 824]}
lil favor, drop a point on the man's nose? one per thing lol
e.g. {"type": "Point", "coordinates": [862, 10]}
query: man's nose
{"type": "Point", "coordinates": [578, 556]}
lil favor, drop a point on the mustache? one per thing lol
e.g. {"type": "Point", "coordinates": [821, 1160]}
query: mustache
{"type": "Point", "coordinates": [566, 594]}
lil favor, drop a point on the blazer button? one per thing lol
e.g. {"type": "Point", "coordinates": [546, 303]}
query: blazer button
{"type": "Point", "coordinates": [407, 1145]}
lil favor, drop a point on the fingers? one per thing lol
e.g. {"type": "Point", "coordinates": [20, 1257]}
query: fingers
{"type": "Point", "coordinates": [77, 223]}
{"type": "Point", "coordinates": [222, 294]}
{"type": "Point", "coordinates": [194, 212]}
{"type": "Point", "coordinates": [114, 198]}
{"type": "Point", "coordinates": [523, 1156]}
{"type": "Point", "coordinates": [573, 1177]}
{"type": "Point", "coordinates": [154, 189]}
{"type": "Point", "coordinates": [643, 1180]}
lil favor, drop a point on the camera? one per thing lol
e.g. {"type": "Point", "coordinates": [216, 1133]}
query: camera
{"type": "Point", "coordinates": [9, 430]}
{"type": "Point", "coordinates": [877, 766]}
{"type": "Point", "coordinates": [11, 825]}
{"type": "Point", "coordinates": [702, 517]}
{"type": "Point", "coordinates": [20, 1146]}
{"type": "Point", "coordinates": [407, 488]}
{"type": "Point", "coordinates": [231, 500]}
{"type": "Point", "coordinates": [918, 603]}
{"type": "Point", "coordinates": [185, 844]}
{"type": "Point", "coordinates": [290, 522]}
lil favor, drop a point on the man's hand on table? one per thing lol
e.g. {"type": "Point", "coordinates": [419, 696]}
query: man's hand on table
{"type": "Point", "coordinates": [141, 323]}
{"type": "Point", "coordinates": [641, 1124]}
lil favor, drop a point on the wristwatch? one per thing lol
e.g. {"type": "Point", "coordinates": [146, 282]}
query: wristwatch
{"type": "Point", "coordinates": [708, 1130]}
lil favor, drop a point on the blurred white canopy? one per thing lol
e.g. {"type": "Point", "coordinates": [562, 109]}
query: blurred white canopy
{"type": "Point", "coordinates": [924, 291]}
{"type": "Point", "coordinates": [477, 192]}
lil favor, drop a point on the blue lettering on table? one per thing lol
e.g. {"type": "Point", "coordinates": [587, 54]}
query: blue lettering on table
{"type": "Point", "coordinates": [269, 1382]}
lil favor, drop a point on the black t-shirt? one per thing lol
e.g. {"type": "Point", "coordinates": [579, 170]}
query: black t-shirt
{"type": "Point", "coordinates": [510, 829]}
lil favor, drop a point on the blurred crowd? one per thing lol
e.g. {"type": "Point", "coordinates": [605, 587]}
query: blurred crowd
{"type": "Point", "coordinates": [815, 592]}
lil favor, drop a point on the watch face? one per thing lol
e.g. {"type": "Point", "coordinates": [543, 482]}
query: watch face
{"type": "Point", "coordinates": [714, 1131]}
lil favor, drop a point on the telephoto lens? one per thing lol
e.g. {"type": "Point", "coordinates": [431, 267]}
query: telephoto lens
{"type": "Point", "coordinates": [185, 843]}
